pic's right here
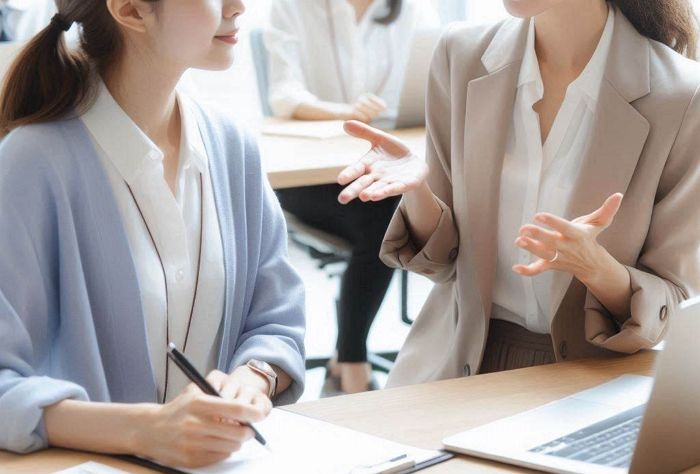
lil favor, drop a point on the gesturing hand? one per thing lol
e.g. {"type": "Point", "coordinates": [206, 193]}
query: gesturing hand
{"type": "Point", "coordinates": [388, 169]}
{"type": "Point", "coordinates": [568, 246]}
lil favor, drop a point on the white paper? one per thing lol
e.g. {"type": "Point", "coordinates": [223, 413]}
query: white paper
{"type": "Point", "coordinates": [300, 444]}
{"type": "Point", "coordinates": [305, 129]}
{"type": "Point", "coordinates": [91, 468]}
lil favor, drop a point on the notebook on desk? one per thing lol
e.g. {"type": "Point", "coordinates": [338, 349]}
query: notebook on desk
{"type": "Point", "coordinates": [315, 129]}
{"type": "Point", "coordinates": [297, 443]}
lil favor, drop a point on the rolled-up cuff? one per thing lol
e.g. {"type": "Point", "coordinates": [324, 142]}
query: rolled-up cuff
{"type": "Point", "coordinates": [653, 300]}
{"type": "Point", "coordinates": [436, 260]}
{"type": "Point", "coordinates": [278, 351]}
{"type": "Point", "coordinates": [22, 403]}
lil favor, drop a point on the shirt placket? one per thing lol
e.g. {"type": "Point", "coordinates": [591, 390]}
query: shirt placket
{"type": "Point", "coordinates": [170, 236]}
{"type": "Point", "coordinates": [534, 156]}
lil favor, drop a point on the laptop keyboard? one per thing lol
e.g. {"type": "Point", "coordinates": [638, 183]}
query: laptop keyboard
{"type": "Point", "coordinates": [609, 442]}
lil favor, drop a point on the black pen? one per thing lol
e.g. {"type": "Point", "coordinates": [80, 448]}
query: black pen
{"type": "Point", "coordinates": [191, 372]}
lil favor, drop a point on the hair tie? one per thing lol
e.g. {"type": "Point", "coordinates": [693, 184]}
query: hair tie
{"type": "Point", "coordinates": [60, 22]}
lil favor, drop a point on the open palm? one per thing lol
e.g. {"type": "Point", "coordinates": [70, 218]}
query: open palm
{"type": "Point", "coordinates": [388, 169]}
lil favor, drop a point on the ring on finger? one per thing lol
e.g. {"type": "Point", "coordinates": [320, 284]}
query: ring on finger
{"type": "Point", "coordinates": [556, 257]}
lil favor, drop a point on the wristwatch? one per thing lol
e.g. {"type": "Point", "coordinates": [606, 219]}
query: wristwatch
{"type": "Point", "coordinates": [266, 370]}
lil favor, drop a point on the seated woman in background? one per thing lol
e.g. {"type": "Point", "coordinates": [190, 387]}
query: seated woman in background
{"type": "Point", "coordinates": [344, 59]}
{"type": "Point", "coordinates": [131, 217]}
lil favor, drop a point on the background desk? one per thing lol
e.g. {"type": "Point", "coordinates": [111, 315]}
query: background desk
{"type": "Point", "coordinates": [420, 415]}
{"type": "Point", "coordinates": [292, 162]}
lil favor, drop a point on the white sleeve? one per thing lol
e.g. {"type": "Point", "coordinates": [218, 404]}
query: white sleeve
{"type": "Point", "coordinates": [288, 87]}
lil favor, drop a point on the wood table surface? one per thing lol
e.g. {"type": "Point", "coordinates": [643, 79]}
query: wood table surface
{"type": "Point", "coordinates": [418, 415]}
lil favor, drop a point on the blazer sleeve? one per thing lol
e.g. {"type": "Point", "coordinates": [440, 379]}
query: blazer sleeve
{"type": "Point", "coordinates": [436, 259]}
{"type": "Point", "coordinates": [275, 324]}
{"type": "Point", "coordinates": [668, 269]}
{"type": "Point", "coordinates": [287, 88]}
{"type": "Point", "coordinates": [29, 304]}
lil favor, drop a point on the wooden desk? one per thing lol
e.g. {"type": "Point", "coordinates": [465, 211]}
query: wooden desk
{"type": "Point", "coordinates": [419, 415]}
{"type": "Point", "coordinates": [292, 162]}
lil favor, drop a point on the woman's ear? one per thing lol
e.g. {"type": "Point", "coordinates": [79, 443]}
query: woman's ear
{"type": "Point", "coordinates": [129, 14]}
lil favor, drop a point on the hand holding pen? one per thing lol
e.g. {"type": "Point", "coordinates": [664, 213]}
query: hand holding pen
{"type": "Point", "coordinates": [195, 377]}
{"type": "Point", "coordinates": [194, 429]}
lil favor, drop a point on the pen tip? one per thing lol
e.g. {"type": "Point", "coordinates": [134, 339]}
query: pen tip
{"type": "Point", "coordinates": [172, 346]}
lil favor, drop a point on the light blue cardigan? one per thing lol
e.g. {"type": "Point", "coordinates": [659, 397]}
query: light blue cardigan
{"type": "Point", "coordinates": [71, 322]}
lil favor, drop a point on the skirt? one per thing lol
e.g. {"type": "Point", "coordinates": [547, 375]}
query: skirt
{"type": "Point", "coordinates": [510, 346]}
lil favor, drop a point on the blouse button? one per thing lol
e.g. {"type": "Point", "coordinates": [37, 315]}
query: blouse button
{"type": "Point", "coordinates": [180, 275]}
{"type": "Point", "coordinates": [663, 314]}
{"type": "Point", "coordinates": [154, 155]}
{"type": "Point", "coordinates": [453, 254]}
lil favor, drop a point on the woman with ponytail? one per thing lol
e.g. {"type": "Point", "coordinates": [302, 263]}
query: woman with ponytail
{"type": "Point", "coordinates": [341, 60]}
{"type": "Point", "coordinates": [537, 127]}
{"type": "Point", "coordinates": [131, 217]}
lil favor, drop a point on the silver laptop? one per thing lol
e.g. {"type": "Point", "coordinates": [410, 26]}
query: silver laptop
{"type": "Point", "coordinates": [632, 424]}
{"type": "Point", "coordinates": [411, 111]}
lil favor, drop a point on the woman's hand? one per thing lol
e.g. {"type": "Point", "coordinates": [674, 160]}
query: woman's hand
{"type": "Point", "coordinates": [243, 385]}
{"type": "Point", "coordinates": [573, 247]}
{"type": "Point", "coordinates": [367, 108]}
{"type": "Point", "coordinates": [196, 430]}
{"type": "Point", "coordinates": [568, 246]}
{"type": "Point", "coordinates": [388, 169]}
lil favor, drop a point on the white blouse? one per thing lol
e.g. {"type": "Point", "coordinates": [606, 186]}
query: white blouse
{"type": "Point", "coordinates": [182, 294]}
{"type": "Point", "coordinates": [540, 178]}
{"type": "Point", "coordinates": [318, 51]}
{"type": "Point", "coordinates": [22, 19]}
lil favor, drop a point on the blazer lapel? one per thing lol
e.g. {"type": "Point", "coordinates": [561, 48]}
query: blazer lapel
{"type": "Point", "coordinates": [617, 142]}
{"type": "Point", "coordinates": [489, 111]}
{"type": "Point", "coordinates": [620, 131]}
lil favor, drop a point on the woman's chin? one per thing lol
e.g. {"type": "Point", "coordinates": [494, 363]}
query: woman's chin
{"type": "Point", "coordinates": [527, 8]}
{"type": "Point", "coordinates": [216, 64]}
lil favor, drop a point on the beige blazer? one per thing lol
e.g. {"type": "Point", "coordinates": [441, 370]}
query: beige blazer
{"type": "Point", "coordinates": [645, 144]}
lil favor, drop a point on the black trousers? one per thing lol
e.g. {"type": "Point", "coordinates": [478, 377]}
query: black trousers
{"type": "Point", "coordinates": [366, 279]}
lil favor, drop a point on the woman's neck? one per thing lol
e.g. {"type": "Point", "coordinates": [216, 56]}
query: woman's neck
{"type": "Point", "coordinates": [567, 35]}
{"type": "Point", "coordinates": [361, 7]}
{"type": "Point", "coordinates": [148, 98]}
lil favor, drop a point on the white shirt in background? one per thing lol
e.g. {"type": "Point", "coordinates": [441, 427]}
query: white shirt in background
{"type": "Point", "coordinates": [318, 51]}
{"type": "Point", "coordinates": [539, 178]}
{"type": "Point", "coordinates": [133, 161]}
{"type": "Point", "coordinates": [22, 19]}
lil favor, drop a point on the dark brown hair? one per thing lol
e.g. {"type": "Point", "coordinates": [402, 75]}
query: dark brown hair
{"type": "Point", "coordinates": [671, 22]}
{"type": "Point", "coordinates": [48, 80]}
{"type": "Point", "coordinates": [394, 12]}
